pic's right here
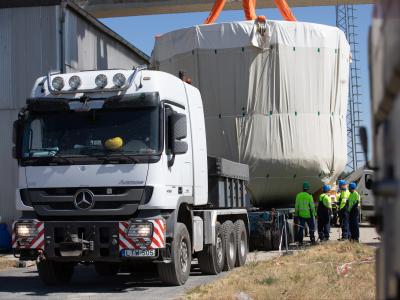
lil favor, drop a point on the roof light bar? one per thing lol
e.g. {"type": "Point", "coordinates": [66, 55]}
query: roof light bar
{"type": "Point", "coordinates": [100, 81]}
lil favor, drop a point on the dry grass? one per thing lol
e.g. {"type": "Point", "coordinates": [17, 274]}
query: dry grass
{"type": "Point", "coordinates": [6, 263]}
{"type": "Point", "coordinates": [309, 274]}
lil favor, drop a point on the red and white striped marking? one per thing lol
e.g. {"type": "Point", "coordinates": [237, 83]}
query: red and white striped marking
{"type": "Point", "coordinates": [36, 243]}
{"type": "Point", "coordinates": [158, 238]}
{"type": "Point", "coordinates": [155, 242]}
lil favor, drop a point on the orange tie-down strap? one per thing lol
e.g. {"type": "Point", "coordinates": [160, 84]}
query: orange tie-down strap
{"type": "Point", "coordinates": [285, 10]}
{"type": "Point", "coordinates": [249, 7]}
{"type": "Point", "coordinates": [215, 11]}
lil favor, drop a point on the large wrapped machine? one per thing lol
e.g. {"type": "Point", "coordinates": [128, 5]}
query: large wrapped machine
{"type": "Point", "coordinates": [275, 97]}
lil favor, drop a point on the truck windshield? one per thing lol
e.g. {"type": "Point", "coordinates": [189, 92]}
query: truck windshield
{"type": "Point", "coordinates": [92, 134]}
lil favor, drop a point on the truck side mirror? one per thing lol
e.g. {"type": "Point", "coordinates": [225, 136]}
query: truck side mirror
{"type": "Point", "coordinates": [369, 183]}
{"type": "Point", "coordinates": [364, 141]}
{"type": "Point", "coordinates": [179, 131]}
{"type": "Point", "coordinates": [16, 139]}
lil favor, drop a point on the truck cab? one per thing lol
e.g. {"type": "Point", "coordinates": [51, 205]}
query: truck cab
{"type": "Point", "coordinates": [113, 168]}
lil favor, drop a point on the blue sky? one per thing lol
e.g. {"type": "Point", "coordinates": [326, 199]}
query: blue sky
{"type": "Point", "coordinates": [141, 30]}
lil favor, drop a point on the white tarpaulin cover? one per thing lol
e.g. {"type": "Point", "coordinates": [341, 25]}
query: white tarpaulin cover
{"type": "Point", "coordinates": [275, 97]}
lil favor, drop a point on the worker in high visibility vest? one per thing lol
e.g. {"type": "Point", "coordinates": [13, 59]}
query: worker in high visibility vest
{"type": "Point", "coordinates": [305, 212]}
{"type": "Point", "coordinates": [354, 201]}
{"type": "Point", "coordinates": [343, 209]}
{"type": "Point", "coordinates": [324, 212]}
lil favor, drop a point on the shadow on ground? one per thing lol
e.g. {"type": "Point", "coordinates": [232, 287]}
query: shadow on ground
{"type": "Point", "coordinates": [85, 280]}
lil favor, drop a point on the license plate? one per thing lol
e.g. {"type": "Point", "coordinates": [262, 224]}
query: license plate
{"type": "Point", "coordinates": [137, 252]}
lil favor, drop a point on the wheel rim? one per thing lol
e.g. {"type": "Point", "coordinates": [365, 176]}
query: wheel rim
{"type": "Point", "coordinates": [183, 255]}
{"type": "Point", "coordinates": [231, 246]}
{"type": "Point", "coordinates": [242, 245]}
{"type": "Point", "coordinates": [218, 246]}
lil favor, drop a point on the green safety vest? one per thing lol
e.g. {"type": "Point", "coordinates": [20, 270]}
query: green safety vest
{"type": "Point", "coordinates": [343, 197]}
{"type": "Point", "coordinates": [354, 199]}
{"type": "Point", "coordinates": [304, 206]}
{"type": "Point", "coordinates": [325, 200]}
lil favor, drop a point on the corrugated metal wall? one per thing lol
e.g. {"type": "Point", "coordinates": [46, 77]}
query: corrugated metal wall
{"type": "Point", "coordinates": [27, 40]}
{"type": "Point", "coordinates": [29, 48]}
{"type": "Point", "coordinates": [83, 40]}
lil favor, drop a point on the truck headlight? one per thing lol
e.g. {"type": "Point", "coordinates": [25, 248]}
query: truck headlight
{"type": "Point", "coordinates": [101, 80]}
{"type": "Point", "coordinates": [25, 230]}
{"type": "Point", "coordinates": [57, 83]}
{"type": "Point", "coordinates": [74, 82]}
{"type": "Point", "coordinates": [139, 230]}
{"type": "Point", "coordinates": [119, 79]}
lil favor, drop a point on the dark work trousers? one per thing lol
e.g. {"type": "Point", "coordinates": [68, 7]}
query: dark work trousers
{"type": "Point", "coordinates": [311, 226]}
{"type": "Point", "coordinates": [344, 222]}
{"type": "Point", "coordinates": [354, 223]}
{"type": "Point", "coordinates": [324, 222]}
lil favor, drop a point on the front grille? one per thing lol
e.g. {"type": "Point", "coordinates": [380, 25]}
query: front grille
{"type": "Point", "coordinates": [101, 205]}
{"type": "Point", "coordinates": [95, 190]}
{"type": "Point", "coordinates": [99, 234]}
{"type": "Point", "coordinates": [108, 201]}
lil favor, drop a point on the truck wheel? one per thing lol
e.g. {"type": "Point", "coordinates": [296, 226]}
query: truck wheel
{"type": "Point", "coordinates": [211, 259]}
{"type": "Point", "coordinates": [291, 232]}
{"type": "Point", "coordinates": [266, 240]}
{"type": "Point", "coordinates": [177, 271]}
{"type": "Point", "coordinates": [242, 243]}
{"type": "Point", "coordinates": [230, 245]}
{"type": "Point", "coordinates": [276, 238]}
{"type": "Point", "coordinates": [106, 269]}
{"type": "Point", "coordinates": [55, 273]}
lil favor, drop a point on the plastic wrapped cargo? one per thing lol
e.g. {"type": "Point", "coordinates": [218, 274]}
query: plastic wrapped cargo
{"type": "Point", "coordinates": [275, 97]}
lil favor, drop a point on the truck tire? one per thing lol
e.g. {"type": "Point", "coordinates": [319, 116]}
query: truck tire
{"type": "Point", "coordinates": [212, 258]}
{"type": "Point", "coordinates": [55, 273]}
{"type": "Point", "coordinates": [266, 240]}
{"type": "Point", "coordinates": [106, 269]}
{"type": "Point", "coordinates": [276, 238]}
{"type": "Point", "coordinates": [177, 271]}
{"type": "Point", "coordinates": [241, 243]}
{"type": "Point", "coordinates": [291, 233]}
{"type": "Point", "coordinates": [230, 245]}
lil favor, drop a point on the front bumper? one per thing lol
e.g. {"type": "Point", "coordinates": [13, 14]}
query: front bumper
{"type": "Point", "coordinates": [87, 241]}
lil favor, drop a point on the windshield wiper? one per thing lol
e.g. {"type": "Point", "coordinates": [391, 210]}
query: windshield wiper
{"type": "Point", "coordinates": [117, 157]}
{"type": "Point", "coordinates": [53, 155]}
{"type": "Point", "coordinates": [49, 159]}
{"type": "Point", "coordinates": [62, 158]}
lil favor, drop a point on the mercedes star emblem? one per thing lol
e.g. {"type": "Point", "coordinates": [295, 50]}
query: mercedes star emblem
{"type": "Point", "coordinates": [84, 199]}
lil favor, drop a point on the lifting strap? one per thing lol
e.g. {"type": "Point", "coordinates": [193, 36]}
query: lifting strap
{"type": "Point", "coordinates": [285, 10]}
{"type": "Point", "coordinates": [215, 11]}
{"type": "Point", "coordinates": [249, 8]}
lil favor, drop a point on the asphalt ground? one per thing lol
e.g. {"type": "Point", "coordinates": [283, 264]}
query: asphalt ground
{"type": "Point", "coordinates": [24, 283]}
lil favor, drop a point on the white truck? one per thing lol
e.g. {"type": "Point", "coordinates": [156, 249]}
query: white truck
{"type": "Point", "coordinates": [113, 169]}
{"type": "Point", "coordinates": [364, 178]}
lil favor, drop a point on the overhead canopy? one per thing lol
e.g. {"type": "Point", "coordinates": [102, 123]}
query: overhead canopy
{"type": "Point", "coordinates": [119, 8]}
